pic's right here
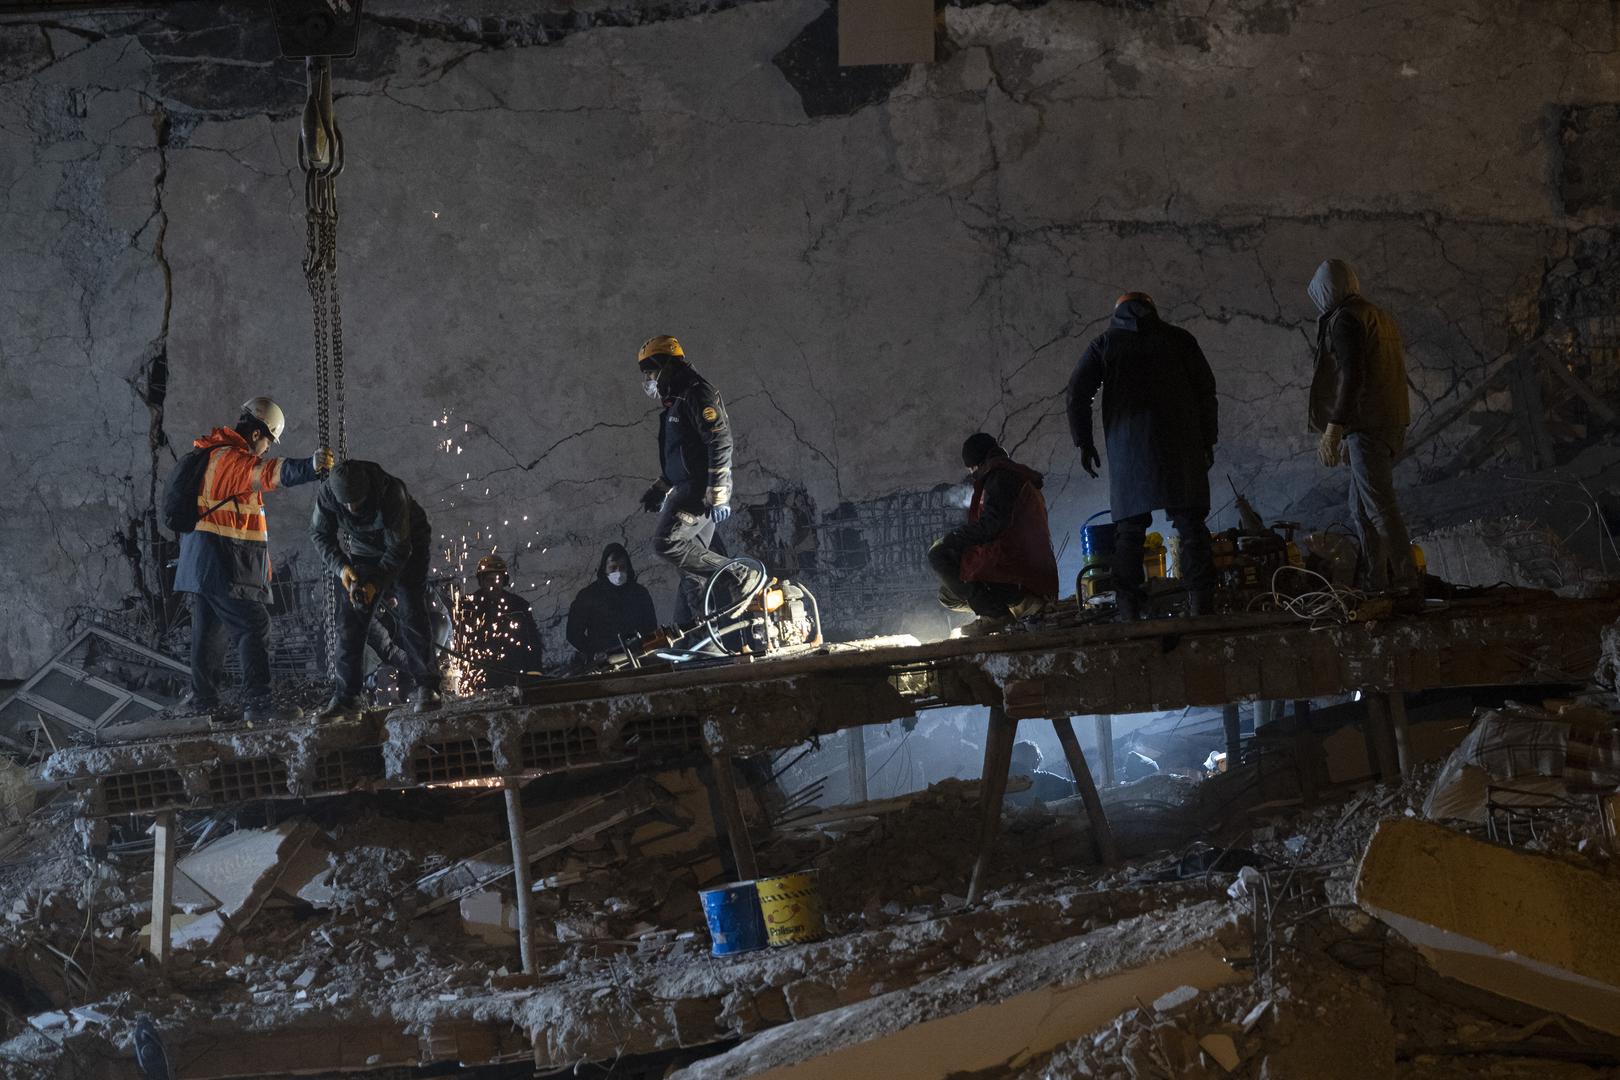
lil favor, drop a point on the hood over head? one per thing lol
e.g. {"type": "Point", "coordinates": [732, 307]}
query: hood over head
{"type": "Point", "coordinates": [1133, 310]}
{"type": "Point", "coordinates": [607, 553]}
{"type": "Point", "coordinates": [350, 482]}
{"type": "Point", "coordinates": [1332, 284]}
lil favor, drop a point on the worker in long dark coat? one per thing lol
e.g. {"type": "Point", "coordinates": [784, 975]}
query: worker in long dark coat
{"type": "Point", "coordinates": [1160, 421]}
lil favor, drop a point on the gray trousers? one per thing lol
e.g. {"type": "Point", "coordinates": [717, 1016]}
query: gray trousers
{"type": "Point", "coordinates": [1386, 549]}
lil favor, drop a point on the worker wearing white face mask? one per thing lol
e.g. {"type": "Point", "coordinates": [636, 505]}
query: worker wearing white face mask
{"type": "Point", "coordinates": [613, 607]}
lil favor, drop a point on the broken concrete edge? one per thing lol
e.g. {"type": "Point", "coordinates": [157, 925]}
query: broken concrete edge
{"type": "Point", "coordinates": [1001, 1014]}
{"type": "Point", "coordinates": [1528, 927]}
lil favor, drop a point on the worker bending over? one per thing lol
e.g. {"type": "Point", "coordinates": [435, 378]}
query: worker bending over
{"type": "Point", "coordinates": [1160, 423]}
{"type": "Point", "coordinates": [1359, 404]}
{"type": "Point", "coordinates": [375, 541]}
{"type": "Point", "coordinates": [225, 551]}
{"type": "Point", "coordinates": [612, 609]}
{"type": "Point", "coordinates": [693, 490]}
{"type": "Point", "coordinates": [999, 565]}
{"type": "Point", "coordinates": [497, 631]}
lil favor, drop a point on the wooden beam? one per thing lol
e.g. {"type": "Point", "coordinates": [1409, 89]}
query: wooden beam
{"type": "Point", "coordinates": [1381, 735]}
{"type": "Point", "coordinates": [1102, 835]}
{"type": "Point", "coordinates": [998, 747]}
{"type": "Point", "coordinates": [1530, 414]}
{"type": "Point", "coordinates": [1105, 747]}
{"type": "Point", "coordinates": [1578, 385]}
{"type": "Point", "coordinates": [163, 853]}
{"type": "Point", "coordinates": [520, 874]}
{"type": "Point", "coordinates": [736, 828]}
{"type": "Point", "coordinates": [1232, 723]}
{"type": "Point", "coordinates": [1463, 404]}
{"type": "Point", "coordinates": [855, 737]}
{"type": "Point", "coordinates": [1305, 750]}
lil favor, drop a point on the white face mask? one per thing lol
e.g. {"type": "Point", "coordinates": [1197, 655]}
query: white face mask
{"type": "Point", "coordinates": [616, 577]}
{"type": "Point", "coordinates": [649, 387]}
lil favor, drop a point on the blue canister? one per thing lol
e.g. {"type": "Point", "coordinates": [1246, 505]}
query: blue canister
{"type": "Point", "coordinates": [1096, 541]}
{"type": "Point", "coordinates": [736, 923]}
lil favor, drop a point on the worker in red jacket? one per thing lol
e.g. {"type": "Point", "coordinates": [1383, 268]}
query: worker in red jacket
{"type": "Point", "coordinates": [999, 565]}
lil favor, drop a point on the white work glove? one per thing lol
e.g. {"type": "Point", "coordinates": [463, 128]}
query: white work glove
{"type": "Point", "coordinates": [718, 499]}
{"type": "Point", "coordinates": [1330, 451]}
{"type": "Point", "coordinates": [322, 460]}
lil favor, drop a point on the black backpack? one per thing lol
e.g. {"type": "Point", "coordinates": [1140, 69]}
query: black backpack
{"type": "Point", "coordinates": [178, 511]}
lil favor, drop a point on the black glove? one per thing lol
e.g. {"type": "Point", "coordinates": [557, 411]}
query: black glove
{"type": "Point", "coordinates": [652, 500]}
{"type": "Point", "coordinates": [1089, 460]}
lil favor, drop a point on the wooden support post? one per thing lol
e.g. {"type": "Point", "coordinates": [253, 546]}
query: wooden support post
{"type": "Point", "coordinates": [1397, 723]}
{"type": "Point", "coordinates": [520, 875]}
{"type": "Point", "coordinates": [1105, 748]}
{"type": "Point", "coordinates": [1381, 735]}
{"type": "Point", "coordinates": [998, 747]}
{"type": "Point", "coordinates": [1530, 412]}
{"type": "Point", "coordinates": [1305, 750]}
{"type": "Point", "coordinates": [162, 883]}
{"type": "Point", "coordinates": [856, 738]}
{"type": "Point", "coordinates": [1102, 835]}
{"type": "Point", "coordinates": [742, 848]}
{"type": "Point", "coordinates": [1234, 733]}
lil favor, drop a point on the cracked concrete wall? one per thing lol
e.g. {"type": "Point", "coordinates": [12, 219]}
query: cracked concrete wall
{"type": "Point", "coordinates": [530, 195]}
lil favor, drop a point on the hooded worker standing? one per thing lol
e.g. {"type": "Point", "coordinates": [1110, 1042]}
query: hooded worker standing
{"type": "Point", "coordinates": [1359, 404]}
{"type": "Point", "coordinates": [693, 490]}
{"type": "Point", "coordinates": [1160, 421]}
{"type": "Point", "coordinates": [225, 557]}
{"type": "Point", "coordinates": [497, 629]}
{"type": "Point", "coordinates": [612, 609]}
{"type": "Point", "coordinates": [375, 540]}
{"type": "Point", "coordinates": [999, 565]}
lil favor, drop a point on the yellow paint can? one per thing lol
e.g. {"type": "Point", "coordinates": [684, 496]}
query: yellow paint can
{"type": "Point", "coordinates": [792, 907]}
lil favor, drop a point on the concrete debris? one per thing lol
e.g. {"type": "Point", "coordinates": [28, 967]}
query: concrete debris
{"type": "Point", "coordinates": [238, 871]}
{"type": "Point", "coordinates": [1531, 928]}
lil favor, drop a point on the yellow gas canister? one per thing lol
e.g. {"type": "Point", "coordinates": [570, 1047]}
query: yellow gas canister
{"type": "Point", "coordinates": [792, 907]}
{"type": "Point", "coordinates": [1419, 561]}
{"type": "Point", "coordinates": [1154, 556]}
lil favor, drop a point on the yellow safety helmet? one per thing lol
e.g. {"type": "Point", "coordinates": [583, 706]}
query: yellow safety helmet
{"type": "Point", "coordinates": [660, 345]}
{"type": "Point", "coordinates": [492, 564]}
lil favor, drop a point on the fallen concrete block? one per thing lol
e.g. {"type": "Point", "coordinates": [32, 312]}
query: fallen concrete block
{"type": "Point", "coordinates": [239, 870]}
{"type": "Point", "coordinates": [997, 1016]}
{"type": "Point", "coordinates": [490, 917]}
{"type": "Point", "coordinates": [1527, 927]}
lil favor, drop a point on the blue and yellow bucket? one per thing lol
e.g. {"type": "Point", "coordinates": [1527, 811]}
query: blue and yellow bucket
{"type": "Point", "coordinates": [792, 908]}
{"type": "Point", "coordinates": [736, 924]}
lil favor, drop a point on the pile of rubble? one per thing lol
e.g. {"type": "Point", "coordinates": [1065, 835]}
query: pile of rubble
{"type": "Point", "coordinates": [1249, 933]}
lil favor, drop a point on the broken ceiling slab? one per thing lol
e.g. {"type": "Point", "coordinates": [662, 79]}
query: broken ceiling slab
{"type": "Point", "coordinates": [998, 1015]}
{"type": "Point", "coordinates": [239, 870]}
{"type": "Point", "coordinates": [1528, 927]}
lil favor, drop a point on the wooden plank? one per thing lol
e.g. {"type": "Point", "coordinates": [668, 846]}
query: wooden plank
{"type": "Point", "coordinates": [1575, 383]}
{"type": "Point", "coordinates": [1101, 833]}
{"type": "Point", "coordinates": [1105, 746]}
{"type": "Point", "coordinates": [1530, 414]}
{"type": "Point", "coordinates": [736, 829]}
{"type": "Point", "coordinates": [998, 747]}
{"type": "Point", "coordinates": [1231, 722]}
{"type": "Point", "coordinates": [856, 738]}
{"type": "Point", "coordinates": [1381, 735]}
{"type": "Point", "coordinates": [1466, 402]}
{"type": "Point", "coordinates": [163, 858]}
{"type": "Point", "coordinates": [520, 873]}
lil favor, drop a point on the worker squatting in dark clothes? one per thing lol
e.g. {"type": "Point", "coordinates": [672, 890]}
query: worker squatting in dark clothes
{"type": "Point", "coordinates": [693, 490]}
{"type": "Point", "coordinates": [999, 565]}
{"type": "Point", "coordinates": [1160, 424]}
{"type": "Point", "coordinates": [613, 609]}
{"type": "Point", "coordinates": [496, 630]}
{"type": "Point", "coordinates": [214, 501]}
{"type": "Point", "coordinates": [375, 540]}
{"type": "Point", "coordinates": [1359, 403]}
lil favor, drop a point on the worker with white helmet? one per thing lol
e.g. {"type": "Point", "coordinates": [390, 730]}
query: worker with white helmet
{"type": "Point", "coordinates": [214, 501]}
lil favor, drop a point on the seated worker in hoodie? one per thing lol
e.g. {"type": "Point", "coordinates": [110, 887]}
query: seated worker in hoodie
{"type": "Point", "coordinates": [499, 638]}
{"type": "Point", "coordinates": [999, 565]}
{"type": "Point", "coordinates": [613, 607]}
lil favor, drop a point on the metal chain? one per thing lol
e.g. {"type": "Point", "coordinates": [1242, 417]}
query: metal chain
{"type": "Point", "coordinates": [320, 151]}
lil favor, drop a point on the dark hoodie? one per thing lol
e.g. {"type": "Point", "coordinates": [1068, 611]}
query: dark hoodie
{"type": "Point", "coordinates": [1360, 377]}
{"type": "Point", "coordinates": [1007, 539]}
{"type": "Point", "coordinates": [1159, 412]}
{"type": "Point", "coordinates": [603, 612]}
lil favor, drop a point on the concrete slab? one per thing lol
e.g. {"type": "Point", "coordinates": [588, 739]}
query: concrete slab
{"type": "Point", "coordinates": [1528, 927]}
{"type": "Point", "coordinates": [997, 1016]}
{"type": "Point", "coordinates": [239, 870]}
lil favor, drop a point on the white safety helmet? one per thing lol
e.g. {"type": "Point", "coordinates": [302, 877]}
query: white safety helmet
{"type": "Point", "coordinates": [267, 413]}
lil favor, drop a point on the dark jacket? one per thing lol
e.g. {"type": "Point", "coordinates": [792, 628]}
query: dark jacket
{"type": "Point", "coordinates": [1360, 377]}
{"type": "Point", "coordinates": [496, 627]}
{"type": "Point", "coordinates": [389, 534]}
{"type": "Point", "coordinates": [1159, 412]}
{"type": "Point", "coordinates": [1007, 539]}
{"type": "Point", "coordinates": [694, 434]}
{"type": "Point", "coordinates": [603, 612]}
{"type": "Point", "coordinates": [228, 554]}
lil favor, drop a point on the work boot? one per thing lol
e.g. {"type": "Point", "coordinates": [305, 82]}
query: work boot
{"type": "Point", "coordinates": [986, 624]}
{"type": "Point", "coordinates": [1201, 602]}
{"type": "Point", "coordinates": [1129, 605]}
{"type": "Point", "coordinates": [749, 579]}
{"type": "Point", "coordinates": [192, 705]}
{"type": "Point", "coordinates": [343, 708]}
{"type": "Point", "coordinates": [1028, 607]}
{"type": "Point", "coordinates": [426, 699]}
{"type": "Point", "coordinates": [267, 712]}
